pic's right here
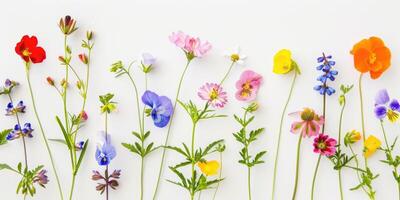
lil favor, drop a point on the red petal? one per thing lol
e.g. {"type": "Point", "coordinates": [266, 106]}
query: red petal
{"type": "Point", "coordinates": [37, 55]}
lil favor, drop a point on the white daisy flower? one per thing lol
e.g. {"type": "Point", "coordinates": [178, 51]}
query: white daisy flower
{"type": "Point", "coordinates": [236, 56]}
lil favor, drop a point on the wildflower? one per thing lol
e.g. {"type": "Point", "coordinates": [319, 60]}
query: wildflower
{"type": "Point", "coordinates": [84, 59]}
{"type": "Point", "coordinates": [214, 94]}
{"type": "Point", "coordinates": [352, 137]}
{"type": "Point", "coordinates": [371, 55]}
{"type": "Point", "coordinates": [108, 105]}
{"type": "Point", "coordinates": [236, 56]}
{"type": "Point", "coordinates": [89, 35]}
{"type": "Point", "coordinates": [67, 25]}
{"type": "Point", "coordinates": [41, 178]}
{"type": "Point", "coordinates": [283, 62]}
{"type": "Point", "coordinates": [17, 132]}
{"type": "Point", "coordinates": [383, 108]}
{"type": "Point", "coordinates": [29, 51]}
{"type": "Point", "coordinates": [105, 151]}
{"type": "Point", "coordinates": [247, 86]}
{"type": "Point", "coordinates": [324, 145]}
{"type": "Point", "coordinates": [111, 180]}
{"type": "Point", "coordinates": [209, 168]}
{"type": "Point", "coordinates": [79, 145]}
{"type": "Point", "coordinates": [325, 66]}
{"type": "Point", "coordinates": [11, 110]}
{"type": "Point", "coordinates": [192, 46]}
{"type": "Point", "coordinates": [160, 110]}
{"type": "Point", "coordinates": [50, 81]}
{"type": "Point", "coordinates": [83, 115]}
{"type": "Point", "coordinates": [310, 122]}
{"type": "Point", "coordinates": [148, 61]}
{"type": "Point", "coordinates": [8, 86]}
{"type": "Point", "coordinates": [371, 145]}
{"type": "Point", "coordinates": [252, 107]}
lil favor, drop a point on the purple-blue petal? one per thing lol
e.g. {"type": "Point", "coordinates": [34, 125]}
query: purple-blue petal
{"type": "Point", "coordinates": [380, 112]}
{"type": "Point", "coordinates": [395, 105]}
{"type": "Point", "coordinates": [382, 97]}
{"type": "Point", "coordinates": [150, 99]}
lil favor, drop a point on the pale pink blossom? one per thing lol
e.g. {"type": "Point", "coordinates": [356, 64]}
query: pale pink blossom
{"type": "Point", "coordinates": [214, 94]}
{"type": "Point", "coordinates": [309, 124]}
{"type": "Point", "coordinates": [247, 86]}
{"type": "Point", "coordinates": [191, 45]}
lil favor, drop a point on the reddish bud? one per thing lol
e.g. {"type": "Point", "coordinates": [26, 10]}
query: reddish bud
{"type": "Point", "coordinates": [83, 58]}
{"type": "Point", "coordinates": [50, 81]}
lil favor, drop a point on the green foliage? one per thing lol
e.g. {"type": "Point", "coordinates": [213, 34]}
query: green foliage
{"type": "Point", "coordinates": [197, 114]}
{"type": "Point", "coordinates": [366, 181]}
{"type": "Point", "coordinates": [108, 105]}
{"type": "Point", "coordinates": [3, 136]}
{"type": "Point", "coordinates": [391, 160]}
{"type": "Point", "coordinates": [340, 159]}
{"type": "Point", "coordinates": [140, 148]}
{"type": "Point", "coordinates": [246, 139]}
{"type": "Point", "coordinates": [344, 90]}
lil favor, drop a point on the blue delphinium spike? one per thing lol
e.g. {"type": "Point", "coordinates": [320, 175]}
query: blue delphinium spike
{"type": "Point", "coordinates": [325, 65]}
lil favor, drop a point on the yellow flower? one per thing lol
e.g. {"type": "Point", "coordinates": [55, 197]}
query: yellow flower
{"type": "Point", "coordinates": [283, 62]}
{"type": "Point", "coordinates": [209, 168]}
{"type": "Point", "coordinates": [371, 145]}
{"type": "Point", "coordinates": [352, 137]}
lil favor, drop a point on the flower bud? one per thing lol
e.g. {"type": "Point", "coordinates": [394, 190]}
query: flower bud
{"type": "Point", "coordinates": [89, 35]}
{"type": "Point", "coordinates": [83, 58]}
{"type": "Point", "coordinates": [83, 115]}
{"type": "Point", "coordinates": [64, 83]}
{"type": "Point", "coordinates": [352, 137]}
{"type": "Point", "coordinates": [50, 81]}
{"type": "Point", "coordinates": [252, 107]}
{"type": "Point", "coordinates": [79, 84]}
{"type": "Point", "coordinates": [67, 25]}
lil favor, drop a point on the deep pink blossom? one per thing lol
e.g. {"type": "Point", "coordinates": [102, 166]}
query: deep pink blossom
{"type": "Point", "coordinates": [324, 145]}
{"type": "Point", "coordinates": [247, 86]}
{"type": "Point", "coordinates": [191, 45]}
{"type": "Point", "coordinates": [214, 94]}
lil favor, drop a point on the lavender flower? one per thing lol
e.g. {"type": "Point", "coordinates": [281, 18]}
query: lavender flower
{"type": "Point", "coordinates": [11, 110]}
{"type": "Point", "coordinates": [160, 110]}
{"type": "Point", "coordinates": [384, 106]}
{"type": "Point", "coordinates": [41, 178]}
{"type": "Point", "coordinates": [105, 151]}
{"type": "Point", "coordinates": [8, 86]}
{"type": "Point", "coordinates": [17, 132]}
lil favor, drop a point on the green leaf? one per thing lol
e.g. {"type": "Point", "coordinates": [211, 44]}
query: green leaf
{"type": "Point", "coordinates": [65, 134]}
{"type": "Point", "coordinates": [5, 166]}
{"type": "Point", "coordinates": [3, 136]}
{"type": "Point", "coordinates": [131, 148]}
{"type": "Point", "coordinates": [78, 164]}
{"type": "Point", "coordinates": [58, 140]}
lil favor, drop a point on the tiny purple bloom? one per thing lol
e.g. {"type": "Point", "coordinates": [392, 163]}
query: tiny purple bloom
{"type": "Point", "coordinates": [148, 59]}
{"type": "Point", "coordinates": [161, 108]}
{"type": "Point", "coordinates": [382, 97]}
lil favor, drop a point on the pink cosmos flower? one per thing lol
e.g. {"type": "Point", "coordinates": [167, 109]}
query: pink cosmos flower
{"type": "Point", "coordinates": [247, 86]}
{"type": "Point", "coordinates": [324, 145]}
{"type": "Point", "coordinates": [191, 45]}
{"type": "Point", "coordinates": [309, 124]}
{"type": "Point", "coordinates": [214, 94]}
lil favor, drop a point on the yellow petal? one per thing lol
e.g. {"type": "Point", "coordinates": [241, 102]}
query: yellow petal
{"type": "Point", "coordinates": [371, 145]}
{"type": "Point", "coordinates": [282, 62]}
{"type": "Point", "coordinates": [209, 168]}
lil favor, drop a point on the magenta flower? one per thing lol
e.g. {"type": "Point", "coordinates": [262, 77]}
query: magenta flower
{"type": "Point", "coordinates": [247, 86]}
{"type": "Point", "coordinates": [214, 94]}
{"type": "Point", "coordinates": [324, 145]}
{"type": "Point", "coordinates": [309, 124]}
{"type": "Point", "coordinates": [191, 45]}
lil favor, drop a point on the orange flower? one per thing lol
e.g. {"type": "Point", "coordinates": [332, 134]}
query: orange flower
{"type": "Point", "coordinates": [371, 55]}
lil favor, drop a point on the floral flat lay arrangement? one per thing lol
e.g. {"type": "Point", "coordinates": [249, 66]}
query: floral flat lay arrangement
{"type": "Point", "coordinates": [196, 170]}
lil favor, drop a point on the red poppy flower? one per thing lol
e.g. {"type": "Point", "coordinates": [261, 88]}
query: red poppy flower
{"type": "Point", "coordinates": [29, 51]}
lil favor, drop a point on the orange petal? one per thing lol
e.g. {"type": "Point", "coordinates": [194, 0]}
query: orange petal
{"type": "Point", "coordinates": [376, 42]}
{"type": "Point", "coordinates": [361, 57]}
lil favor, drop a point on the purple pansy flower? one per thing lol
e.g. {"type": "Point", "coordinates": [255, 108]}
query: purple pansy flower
{"type": "Point", "coordinates": [160, 110]}
{"type": "Point", "coordinates": [11, 110]}
{"type": "Point", "coordinates": [17, 132]}
{"type": "Point", "coordinates": [105, 151]}
{"type": "Point", "coordinates": [384, 106]}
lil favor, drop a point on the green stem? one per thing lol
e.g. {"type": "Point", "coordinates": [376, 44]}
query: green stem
{"type": "Point", "coordinates": [339, 146]}
{"type": "Point", "coordinates": [362, 114]}
{"type": "Point", "coordinates": [315, 176]}
{"type": "Point", "coordinates": [142, 158]}
{"type": "Point", "coordinates": [106, 131]}
{"type": "Point", "coordinates": [280, 134]}
{"type": "Point", "coordinates": [340, 184]}
{"type": "Point", "coordinates": [390, 153]}
{"type": "Point", "coordinates": [220, 175]}
{"type": "Point", "coordinates": [169, 130]}
{"type": "Point", "coordinates": [72, 187]}
{"type": "Point", "coordinates": [44, 137]}
{"type": "Point", "coordinates": [296, 180]}
{"type": "Point", "coordinates": [249, 181]}
{"type": "Point", "coordinates": [137, 98]}
{"type": "Point", "coordinates": [227, 73]}
{"type": "Point", "coordinates": [193, 157]}
{"type": "Point", "coordinates": [357, 166]}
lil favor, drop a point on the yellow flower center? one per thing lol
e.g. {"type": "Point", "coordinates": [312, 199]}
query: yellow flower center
{"type": "Point", "coordinates": [26, 52]}
{"type": "Point", "coordinates": [214, 94]}
{"type": "Point", "coordinates": [307, 115]}
{"type": "Point", "coordinates": [372, 58]}
{"type": "Point", "coordinates": [235, 57]}
{"type": "Point", "coordinates": [246, 89]}
{"type": "Point", "coordinates": [392, 115]}
{"type": "Point", "coordinates": [321, 145]}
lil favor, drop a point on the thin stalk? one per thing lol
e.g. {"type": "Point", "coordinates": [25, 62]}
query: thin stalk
{"type": "Point", "coordinates": [249, 181]}
{"type": "Point", "coordinates": [44, 137]}
{"type": "Point", "coordinates": [169, 130]}
{"type": "Point", "coordinates": [315, 176]}
{"type": "Point", "coordinates": [357, 166]}
{"type": "Point", "coordinates": [280, 134]}
{"type": "Point", "coordinates": [142, 158]}
{"type": "Point", "coordinates": [362, 114]}
{"type": "Point", "coordinates": [220, 175]}
{"type": "Point", "coordinates": [106, 172]}
{"type": "Point", "coordinates": [296, 180]}
{"type": "Point", "coordinates": [23, 137]}
{"type": "Point", "coordinates": [72, 186]}
{"type": "Point", "coordinates": [137, 98]}
{"type": "Point", "coordinates": [390, 153]}
{"type": "Point", "coordinates": [227, 73]}
{"type": "Point", "coordinates": [192, 152]}
{"type": "Point", "coordinates": [339, 146]}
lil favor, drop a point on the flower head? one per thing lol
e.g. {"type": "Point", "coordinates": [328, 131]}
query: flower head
{"type": "Point", "coordinates": [147, 62]}
{"type": "Point", "coordinates": [324, 145]}
{"type": "Point", "coordinates": [247, 86]}
{"type": "Point", "coordinates": [11, 110]}
{"type": "Point", "coordinates": [371, 55]}
{"type": "Point", "coordinates": [67, 25]}
{"type": "Point", "coordinates": [371, 144]}
{"type": "Point", "coordinates": [18, 132]}
{"type": "Point", "coordinates": [105, 151]}
{"type": "Point", "coordinates": [160, 110]}
{"type": "Point", "coordinates": [84, 59]}
{"type": "Point", "coordinates": [325, 66]}
{"type": "Point", "coordinates": [108, 105]}
{"type": "Point", "coordinates": [192, 46]}
{"type": "Point", "coordinates": [385, 107]}
{"type": "Point", "coordinates": [41, 178]}
{"type": "Point", "coordinates": [283, 62]}
{"type": "Point", "coordinates": [8, 86]}
{"type": "Point", "coordinates": [214, 94]}
{"type": "Point", "coordinates": [79, 145]}
{"type": "Point", "coordinates": [29, 51]}
{"type": "Point", "coordinates": [352, 137]}
{"type": "Point", "coordinates": [309, 124]}
{"type": "Point", "coordinates": [209, 168]}
{"type": "Point", "coordinates": [236, 56]}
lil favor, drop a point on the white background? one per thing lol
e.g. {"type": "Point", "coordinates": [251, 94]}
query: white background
{"type": "Point", "coordinates": [123, 30]}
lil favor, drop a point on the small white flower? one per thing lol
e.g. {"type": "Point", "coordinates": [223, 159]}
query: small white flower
{"type": "Point", "coordinates": [236, 56]}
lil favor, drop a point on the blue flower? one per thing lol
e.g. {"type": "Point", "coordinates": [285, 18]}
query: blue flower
{"type": "Point", "coordinates": [383, 108]}
{"type": "Point", "coordinates": [11, 110]}
{"type": "Point", "coordinates": [161, 108]}
{"type": "Point", "coordinates": [79, 145]}
{"type": "Point", "coordinates": [8, 86]}
{"type": "Point", "coordinates": [328, 74]}
{"type": "Point", "coordinates": [105, 151]}
{"type": "Point", "coordinates": [17, 132]}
